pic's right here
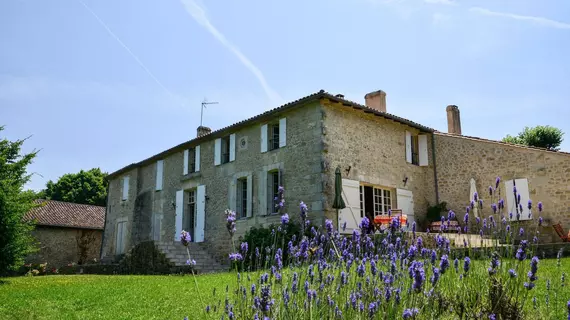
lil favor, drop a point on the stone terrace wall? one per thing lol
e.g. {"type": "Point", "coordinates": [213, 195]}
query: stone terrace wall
{"type": "Point", "coordinates": [375, 149]}
{"type": "Point", "coordinates": [459, 159]}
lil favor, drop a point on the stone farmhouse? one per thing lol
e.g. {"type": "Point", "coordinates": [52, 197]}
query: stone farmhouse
{"type": "Point", "coordinates": [66, 232]}
{"type": "Point", "coordinates": [387, 162]}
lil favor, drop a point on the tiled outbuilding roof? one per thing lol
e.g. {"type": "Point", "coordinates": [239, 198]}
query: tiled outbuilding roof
{"type": "Point", "coordinates": [67, 214]}
{"type": "Point", "coordinates": [296, 103]}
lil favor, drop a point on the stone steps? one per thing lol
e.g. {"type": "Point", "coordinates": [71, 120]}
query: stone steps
{"type": "Point", "coordinates": [178, 255]}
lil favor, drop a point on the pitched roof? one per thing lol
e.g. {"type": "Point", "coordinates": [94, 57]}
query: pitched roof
{"type": "Point", "coordinates": [67, 214]}
{"type": "Point", "coordinates": [296, 103]}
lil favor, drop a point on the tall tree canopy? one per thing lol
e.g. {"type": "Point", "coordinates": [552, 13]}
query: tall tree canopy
{"type": "Point", "coordinates": [540, 136]}
{"type": "Point", "coordinates": [85, 187]}
{"type": "Point", "coordinates": [16, 241]}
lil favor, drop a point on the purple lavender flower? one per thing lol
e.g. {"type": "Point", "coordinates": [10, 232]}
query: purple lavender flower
{"type": "Point", "coordinates": [492, 317]}
{"type": "Point", "coordinates": [185, 238]}
{"type": "Point", "coordinates": [466, 264]}
{"type": "Point", "coordinates": [494, 207]}
{"type": "Point", "coordinates": [484, 223]}
{"type": "Point", "coordinates": [444, 263]}
{"type": "Point", "coordinates": [285, 219]}
{"type": "Point", "coordinates": [540, 220]}
{"type": "Point", "coordinates": [512, 273]}
{"type": "Point", "coordinates": [410, 313]}
{"type": "Point", "coordinates": [230, 221]}
{"type": "Point", "coordinates": [417, 273]}
{"type": "Point", "coordinates": [344, 226]}
{"type": "Point", "coordinates": [480, 203]}
{"type": "Point", "coordinates": [478, 220]}
{"type": "Point", "coordinates": [490, 190]}
{"type": "Point", "coordinates": [568, 307]}
{"type": "Point", "coordinates": [244, 247]}
{"type": "Point", "coordinates": [191, 262]}
{"type": "Point", "coordinates": [235, 257]}
{"type": "Point", "coordinates": [521, 232]}
{"type": "Point", "coordinates": [456, 264]}
{"type": "Point", "coordinates": [364, 224]}
{"type": "Point", "coordinates": [433, 257]}
{"type": "Point", "coordinates": [501, 204]}
{"type": "Point", "coordinates": [497, 181]}
{"type": "Point", "coordinates": [475, 197]}
{"type": "Point", "coordinates": [529, 205]}
{"type": "Point", "coordinates": [329, 226]}
{"type": "Point", "coordinates": [435, 276]}
{"type": "Point", "coordinates": [539, 206]}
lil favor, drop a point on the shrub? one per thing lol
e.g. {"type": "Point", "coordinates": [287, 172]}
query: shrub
{"type": "Point", "coordinates": [145, 258]}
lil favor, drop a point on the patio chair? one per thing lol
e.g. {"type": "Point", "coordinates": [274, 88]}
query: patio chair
{"type": "Point", "coordinates": [561, 234]}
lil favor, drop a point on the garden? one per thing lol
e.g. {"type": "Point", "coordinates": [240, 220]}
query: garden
{"type": "Point", "coordinates": [296, 270]}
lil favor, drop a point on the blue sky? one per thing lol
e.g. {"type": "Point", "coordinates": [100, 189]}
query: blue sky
{"type": "Point", "coordinates": [107, 83]}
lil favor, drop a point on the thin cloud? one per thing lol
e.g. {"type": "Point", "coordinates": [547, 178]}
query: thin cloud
{"type": "Point", "coordinates": [131, 53]}
{"type": "Point", "coordinates": [533, 19]}
{"type": "Point", "coordinates": [199, 15]}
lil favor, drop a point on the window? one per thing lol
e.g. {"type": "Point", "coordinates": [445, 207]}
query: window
{"type": "Point", "coordinates": [190, 216]}
{"type": "Point", "coordinates": [159, 171]}
{"type": "Point", "coordinates": [241, 198]}
{"type": "Point", "coordinates": [273, 183]}
{"type": "Point", "coordinates": [415, 150]}
{"type": "Point", "coordinates": [125, 188]}
{"type": "Point", "coordinates": [374, 201]}
{"type": "Point", "coordinates": [192, 160]}
{"type": "Point", "coordinates": [225, 149]}
{"type": "Point", "coordinates": [121, 236]}
{"type": "Point", "coordinates": [274, 136]}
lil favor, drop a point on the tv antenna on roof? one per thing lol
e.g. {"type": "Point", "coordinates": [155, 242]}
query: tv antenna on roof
{"type": "Point", "coordinates": [204, 104]}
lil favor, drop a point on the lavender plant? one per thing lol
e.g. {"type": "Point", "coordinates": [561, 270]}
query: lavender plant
{"type": "Point", "coordinates": [389, 274]}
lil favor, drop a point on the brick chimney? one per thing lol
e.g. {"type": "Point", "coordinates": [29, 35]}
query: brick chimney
{"type": "Point", "coordinates": [202, 131]}
{"type": "Point", "coordinates": [453, 120]}
{"type": "Point", "coordinates": [376, 100]}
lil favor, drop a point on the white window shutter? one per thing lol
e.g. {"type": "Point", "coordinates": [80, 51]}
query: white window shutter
{"type": "Point", "coordinates": [282, 132]}
{"type": "Point", "coordinates": [232, 147]}
{"type": "Point", "coordinates": [249, 211]}
{"type": "Point", "coordinates": [218, 152]}
{"type": "Point", "coordinates": [200, 214]}
{"type": "Point", "coordinates": [125, 188]}
{"type": "Point", "coordinates": [408, 147]}
{"type": "Point", "coordinates": [351, 214]}
{"type": "Point", "coordinates": [197, 159]}
{"type": "Point", "coordinates": [405, 200]}
{"type": "Point", "coordinates": [186, 155]}
{"type": "Point", "coordinates": [423, 146]}
{"type": "Point", "coordinates": [159, 171]}
{"type": "Point", "coordinates": [179, 214]}
{"type": "Point", "coordinates": [264, 138]}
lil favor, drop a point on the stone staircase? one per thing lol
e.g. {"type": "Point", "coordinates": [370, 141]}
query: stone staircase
{"type": "Point", "coordinates": [177, 254]}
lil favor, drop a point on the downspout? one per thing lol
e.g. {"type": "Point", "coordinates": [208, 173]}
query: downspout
{"type": "Point", "coordinates": [105, 223]}
{"type": "Point", "coordinates": [434, 168]}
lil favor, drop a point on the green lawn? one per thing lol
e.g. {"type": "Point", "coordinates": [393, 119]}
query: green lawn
{"type": "Point", "coordinates": [174, 297]}
{"type": "Point", "coordinates": [106, 297]}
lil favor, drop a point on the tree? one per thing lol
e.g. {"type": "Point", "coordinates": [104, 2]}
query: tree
{"type": "Point", "coordinates": [16, 240]}
{"type": "Point", "coordinates": [85, 187]}
{"type": "Point", "coordinates": [540, 136]}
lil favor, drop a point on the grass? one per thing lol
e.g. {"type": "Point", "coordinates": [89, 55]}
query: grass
{"type": "Point", "coordinates": [167, 297]}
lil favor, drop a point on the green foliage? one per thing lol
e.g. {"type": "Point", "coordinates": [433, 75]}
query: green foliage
{"type": "Point", "coordinates": [145, 258]}
{"type": "Point", "coordinates": [267, 239]}
{"type": "Point", "coordinates": [16, 241]}
{"type": "Point", "coordinates": [434, 212]}
{"type": "Point", "coordinates": [85, 187]}
{"type": "Point", "coordinates": [540, 136]}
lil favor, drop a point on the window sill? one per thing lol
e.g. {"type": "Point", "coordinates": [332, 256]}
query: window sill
{"type": "Point", "coordinates": [191, 176]}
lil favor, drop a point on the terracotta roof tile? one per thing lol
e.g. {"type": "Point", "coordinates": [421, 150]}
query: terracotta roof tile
{"type": "Point", "coordinates": [67, 214]}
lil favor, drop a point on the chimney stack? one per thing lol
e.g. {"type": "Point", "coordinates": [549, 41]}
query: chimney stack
{"type": "Point", "coordinates": [376, 100]}
{"type": "Point", "coordinates": [202, 131]}
{"type": "Point", "coordinates": [453, 120]}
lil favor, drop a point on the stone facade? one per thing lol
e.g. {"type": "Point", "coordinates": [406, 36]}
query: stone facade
{"type": "Point", "coordinates": [460, 158]}
{"type": "Point", "coordinates": [300, 162]}
{"type": "Point", "coordinates": [323, 132]}
{"type": "Point", "coordinates": [61, 246]}
{"type": "Point", "coordinates": [374, 148]}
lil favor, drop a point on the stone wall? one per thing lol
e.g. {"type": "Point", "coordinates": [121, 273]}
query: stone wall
{"type": "Point", "coordinates": [300, 162]}
{"type": "Point", "coordinates": [59, 246]}
{"type": "Point", "coordinates": [375, 150]}
{"type": "Point", "coordinates": [460, 158]}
